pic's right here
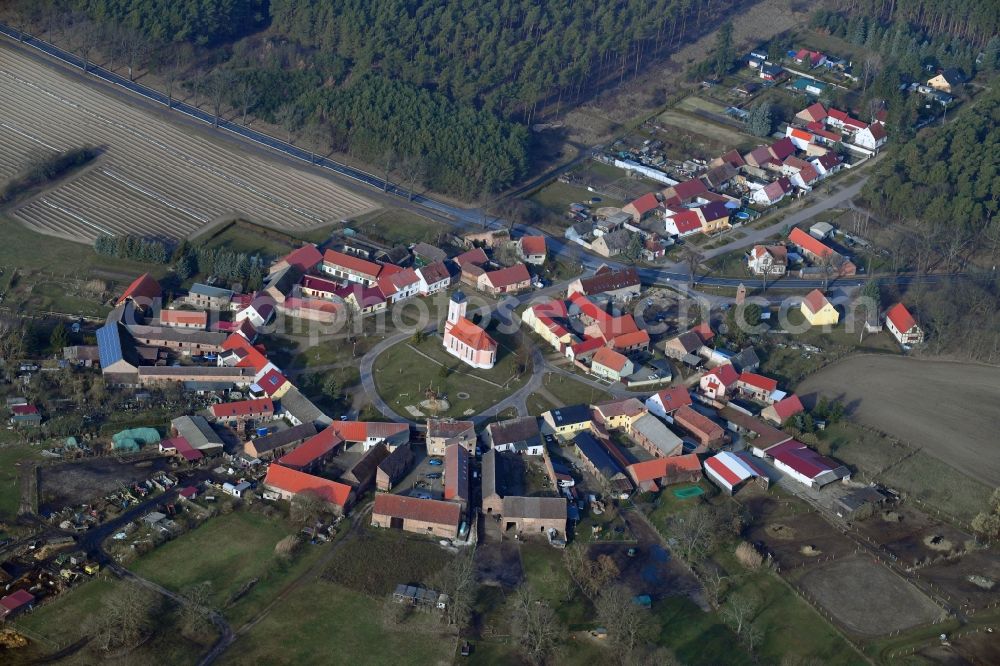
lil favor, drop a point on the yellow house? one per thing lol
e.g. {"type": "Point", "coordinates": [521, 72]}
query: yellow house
{"type": "Point", "coordinates": [946, 81]}
{"type": "Point", "coordinates": [818, 311]}
{"type": "Point", "coordinates": [541, 319]}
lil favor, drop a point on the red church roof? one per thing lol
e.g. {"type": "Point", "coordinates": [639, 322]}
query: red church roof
{"type": "Point", "coordinates": [472, 336]}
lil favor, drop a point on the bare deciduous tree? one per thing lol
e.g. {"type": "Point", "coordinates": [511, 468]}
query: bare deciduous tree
{"type": "Point", "coordinates": [288, 118]}
{"type": "Point", "coordinates": [196, 611]}
{"type": "Point", "coordinates": [216, 87]}
{"type": "Point", "coordinates": [628, 624]}
{"type": "Point", "coordinates": [244, 95]}
{"type": "Point", "coordinates": [125, 619]}
{"type": "Point", "coordinates": [739, 611]}
{"type": "Point", "coordinates": [458, 581]}
{"type": "Point", "coordinates": [535, 625]}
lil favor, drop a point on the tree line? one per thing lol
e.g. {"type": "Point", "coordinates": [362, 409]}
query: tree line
{"type": "Point", "coordinates": [46, 168]}
{"type": "Point", "coordinates": [974, 21]}
{"type": "Point", "coordinates": [135, 248]}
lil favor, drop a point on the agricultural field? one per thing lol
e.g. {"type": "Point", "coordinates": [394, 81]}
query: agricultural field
{"type": "Point", "coordinates": [903, 397]}
{"type": "Point", "coordinates": [153, 178]}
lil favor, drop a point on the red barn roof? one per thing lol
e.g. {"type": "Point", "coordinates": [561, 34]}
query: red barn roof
{"type": "Point", "coordinates": [305, 258]}
{"type": "Point", "coordinates": [788, 407]}
{"type": "Point", "coordinates": [507, 277]}
{"type": "Point", "coordinates": [143, 289]}
{"type": "Point", "coordinates": [356, 264]}
{"type": "Point", "coordinates": [759, 381]}
{"type": "Point", "coordinates": [645, 203]}
{"type": "Point", "coordinates": [809, 243]}
{"type": "Point", "coordinates": [657, 468]}
{"type": "Point", "coordinates": [243, 408]}
{"type": "Point", "coordinates": [295, 482]}
{"type": "Point", "coordinates": [413, 508]}
{"type": "Point", "coordinates": [315, 447]}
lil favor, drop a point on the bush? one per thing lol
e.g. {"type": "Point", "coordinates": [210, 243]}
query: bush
{"type": "Point", "coordinates": [286, 548]}
{"type": "Point", "coordinates": [46, 169]}
{"type": "Point", "coordinates": [748, 556]}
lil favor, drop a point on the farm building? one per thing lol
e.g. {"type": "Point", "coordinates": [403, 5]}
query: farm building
{"type": "Point", "coordinates": [618, 413]}
{"type": "Point", "coordinates": [207, 297]}
{"type": "Point", "coordinates": [520, 435]}
{"type": "Point", "coordinates": [288, 483]}
{"type": "Point", "coordinates": [372, 433]}
{"type": "Point", "coordinates": [276, 444]}
{"type": "Point", "coordinates": [184, 319]}
{"type": "Point", "coordinates": [232, 413]}
{"type": "Point", "coordinates": [442, 433]}
{"type": "Point", "coordinates": [651, 434]}
{"type": "Point", "coordinates": [782, 410]}
{"type": "Point", "coordinates": [622, 284]}
{"type": "Point", "coordinates": [314, 451]}
{"type": "Point", "coordinates": [491, 492]}
{"type": "Point", "coordinates": [599, 462]}
{"type": "Point", "coordinates": [15, 602]}
{"type": "Point", "coordinates": [179, 446]}
{"type": "Point", "coordinates": [611, 365]}
{"type": "Point", "coordinates": [393, 468]}
{"type": "Point", "coordinates": [534, 514]}
{"type": "Point", "coordinates": [707, 432]}
{"type": "Point", "coordinates": [144, 292]}
{"type": "Point", "coordinates": [361, 475]}
{"type": "Point", "coordinates": [299, 409]}
{"type": "Point", "coordinates": [198, 433]}
{"type": "Point", "coordinates": [456, 474]}
{"type": "Point", "coordinates": [805, 465]}
{"type": "Point", "coordinates": [652, 475]}
{"type": "Point", "coordinates": [422, 516]}
{"type": "Point", "coordinates": [25, 415]}
{"type": "Point", "coordinates": [730, 470]}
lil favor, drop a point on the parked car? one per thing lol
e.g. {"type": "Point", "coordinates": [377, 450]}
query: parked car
{"type": "Point", "coordinates": [435, 461]}
{"type": "Point", "coordinates": [433, 475]}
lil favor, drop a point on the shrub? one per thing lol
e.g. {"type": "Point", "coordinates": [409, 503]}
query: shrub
{"type": "Point", "coordinates": [748, 556]}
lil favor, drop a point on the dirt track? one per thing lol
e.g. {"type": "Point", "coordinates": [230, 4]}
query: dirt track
{"type": "Point", "coordinates": [950, 410]}
{"type": "Point", "coordinates": [153, 177]}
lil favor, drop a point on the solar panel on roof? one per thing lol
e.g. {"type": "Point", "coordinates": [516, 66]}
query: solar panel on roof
{"type": "Point", "coordinates": [109, 345]}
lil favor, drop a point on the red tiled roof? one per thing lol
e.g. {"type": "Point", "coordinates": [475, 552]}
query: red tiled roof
{"type": "Point", "coordinates": [788, 407]}
{"type": "Point", "coordinates": [809, 243]}
{"type": "Point", "coordinates": [475, 256]}
{"type": "Point", "coordinates": [587, 345]}
{"type": "Point", "coordinates": [698, 423]}
{"type": "Point", "coordinates": [759, 156]}
{"type": "Point", "coordinates": [759, 381]}
{"type": "Point", "coordinates": [144, 288]}
{"type": "Point", "coordinates": [359, 431]}
{"type": "Point", "coordinates": [472, 335]}
{"type": "Point", "coordinates": [243, 408]}
{"type": "Point", "coordinates": [318, 445]}
{"type": "Point", "coordinates": [320, 284]}
{"type": "Point", "coordinates": [726, 374]}
{"type": "Point", "coordinates": [816, 112]}
{"type": "Point", "coordinates": [782, 148]}
{"type": "Point", "coordinates": [423, 510]}
{"type": "Point", "coordinates": [645, 203]}
{"type": "Point", "coordinates": [533, 245]}
{"type": "Point", "coordinates": [252, 356]}
{"type": "Point", "coordinates": [815, 301]}
{"type": "Point", "coordinates": [272, 381]}
{"type": "Point", "coordinates": [183, 317]}
{"type": "Point", "coordinates": [686, 221]}
{"type": "Point", "coordinates": [628, 340]}
{"type": "Point", "coordinates": [732, 158]}
{"type": "Point", "coordinates": [24, 410]}
{"type": "Point", "coordinates": [399, 280]}
{"type": "Point", "coordinates": [900, 318]}
{"type": "Point", "coordinates": [877, 131]}
{"type": "Point", "coordinates": [183, 447]}
{"type": "Point", "coordinates": [689, 189]}
{"type": "Point", "coordinates": [704, 332]}
{"type": "Point", "coordinates": [657, 468]}
{"type": "Point", "coordinates": [456, 472]}
{"type": "Point", "coordinates": [352, 263]}
{"type": "Point", "coordinates": [610, 359]}
{"type": "Point", "coordinates": [304, 258]}
{"type": "Point", "coordinates": [674, 398]}
{"type": "Point", "coordinates": [434, 273]}
{"type": "Point", "coordinates": [506, 277]}
{"type": "Point", "coordinates": [295, 482]}
{"type": "Point", "coordinates": [801, 135]}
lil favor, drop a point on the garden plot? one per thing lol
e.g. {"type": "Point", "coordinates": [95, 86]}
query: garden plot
{"type": "Point", "coordinates": [153, 178]}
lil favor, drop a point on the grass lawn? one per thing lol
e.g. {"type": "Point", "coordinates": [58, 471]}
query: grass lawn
{"type": "Point", "coordinates": [866, 450]}
{"type": "Point", "coordinates": [380, 559]}
{"type": "Point", "coordinates": [324, 620]}
{"type": "Point", "coordinates": [572, 392]}
{"type": "Point", "coordinates": [938, 486]}
{"type": "Point", "coordinates": [557, 197]}
{"type": "Point", "coordinates": [730, 264]}
{"type": "Point", "coordinates": [252, 239]}
{"type": "Point", "coordinates": [538, 404]}
{"type": "Point", "coordinates": [396, 226]}
{"type": "Point", "coordinates": [404, 372]}
{"type": "Point", "coordinates": [667, 504]}
{"type": "Point", "coordinates": [62, 622]}
{"type": "Point", "coordinates": [10, 489]}
{"type": "Point", "coordinates": [228, 550]}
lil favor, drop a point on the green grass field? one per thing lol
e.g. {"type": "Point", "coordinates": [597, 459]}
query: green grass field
{"type": "Point", "coordinates": [228, 550]}
{"type": "Point", "coordinates": [10, 489]}
{"type": "Point", "coordinates": [380, 559]}
{"type": "Point", "coordinates": [252, 239]}
{"type": "Point", "coordinates": [938, 486]}
{"type": "Point", "coordinates": [556, 197]}
{"type": "Point", "coordinates": [396, 226]}
{"type": "Point", "coordinates": [402, 375]}
{"type": "Point", "coordinates": [572, 392]}
{"type": "Point", "coordinates": [61, 622]}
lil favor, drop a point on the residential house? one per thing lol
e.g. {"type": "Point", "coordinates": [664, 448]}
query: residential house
{"type": "Point", "coordinates": [398, 285]}
{"type": "Point", "coordinates": [351, 268]}
{"type": "Point", "coordinates": [814, 113]}
{"type": "Point", "coordinates": [782, 410]}
{"type": "Point", "coordinates": [535, 515]}
{"type": "Point", "coordinates": [421, 516]}
{"type": "Point", "coordinates": [803, 174]}
{"type": "Point", "coordinates": [730, 471]}
{"type": "Point", "coordinates": [632, 341]}
{"type": "Point", "coordinates": [184, 319]}
{"type": "Point", "coordinates": [617, 284]}
{"type": "Point", "coordinates": [773, 192]}
{"type": "Point", "coordinates": [819, 311]}
{"type": "Point", "coordinates": [234, 413]}
{"type": "Point", "coordinates": [260, 311]}
{"type": "Point", "coordinates": [303, 259]}
{"type": "Point", "coordinates": [393, 468]}
{"type": "Point", "coordinates": [718, 382]}
{"type": "Point", "coordinates": [707, 432]}
{"type": "Point", "coordinates": [805, 465]}
{"type": "Point", "coordinates": [287, 483]}
{"type": "Point", "coordinates": [512, 280]}
{"type": "Point", "coordinates": [684, 192]}
{"type": "Point", "coordinates": [597, 461]}
{"type": "Point", "coordinates": [844, 121]}
{"type": "Point", "coordinates": [643, 207]}
{"type": "Point", "coordinates": [809, 86]}
{"type": "Point", "coordinates": [653, 475]}
{"type": "Point", "coordinates": [426, 254]}
{"type": "Point", "coordinates": [872, 137]}
{"type": "Point", "coordinates": [25, 415]}
{"type": "Point", "coordinates": [822, 254]}
{"type": "Point", "coordinates": [442, 433]}
{"type": "Point", "coordinates": [771, 72]}
{"type": "Point", "coordinates": [612, 244]}
{"type": "Point", "coordinates": [654, 247]}
{"type": "Point", "coordinates": [903, 326]}
{"type": "Point", "coordinates": [465, 340]}
{"type": "Point", "coordinates": [370, 434]}
{"type": "Point", "coordinates": [566, 421]}
{"type": "Point", "coordinates": [618, 413]}
{"type": "Point", "coordinates": [611, 365]}
{"type": "Point", "coordinates": [768, 260]}
{"type": "Point", "coordinates": [318, 287]}
{"type": "Point", "coordinates": [732, 158]}
{"type": "Point", "coordinates": [828, 164]}
{"type": "Point", "coordinates": [651, 434]}
{"type": "Point", "coordinates": [275, 444]}
{"type": "Point", "coordinates": [456, 474]}
{"type": "Point", "coordinates": [756, 386]}
{"type": "Point", "coordinates": [206, 297]}
{"type": "Point", "coordinates": [809, 58]}
{"type": "Point", "coordinates": [664, 403]}
{"type": "Point", "coordinates": [683, 223]}
{"type": "Point", "coordinates": [584, 351]}
{"type": "Point", "coordinates": [297, 408]}
{"type": "Point", "coordinates": [434, 277]}
{"type": "Point", "coordinates": [781, 150]}
{"type": "Point", "coordinates": [519, 435]}
{"type": "Point", "coordinates": [549, 321]}
{"type": "Point", "coordinates": [719, 176]}
{"type": "Point", "coordinates": [746, 359]}
{"type": "Point", "coordinates": [947, 81]}
{"type": "Point", "coordinates": [532, 250]}
{"type": "Point", "coordinates": [714, 217]}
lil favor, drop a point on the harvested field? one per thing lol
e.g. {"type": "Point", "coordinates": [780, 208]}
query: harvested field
{"type": "Point", "coordinates": [946, 409]}
{"type": "Point", "coordinates": [868, 599]}
{"type": "Point", "coordinates": [87, 480]}
{"type": "Point", "coordinates": [154, 178]}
